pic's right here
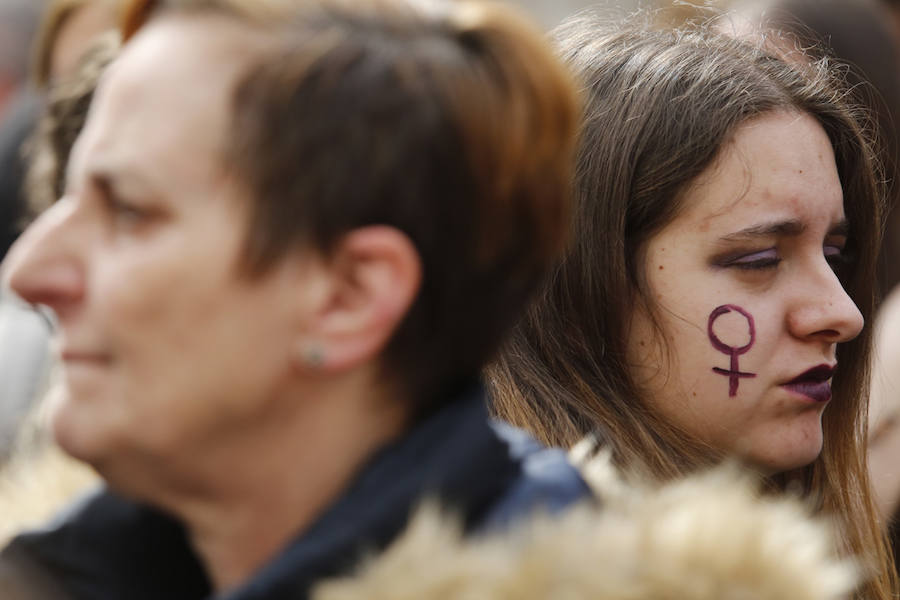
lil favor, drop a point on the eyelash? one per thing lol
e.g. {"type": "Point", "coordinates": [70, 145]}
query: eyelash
{"type": "Point", "coordinates": [837, 259]}
{"type": "Point", "coordinates": [759, 264]}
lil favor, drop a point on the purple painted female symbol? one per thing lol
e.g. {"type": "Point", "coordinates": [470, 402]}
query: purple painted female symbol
{"type": "Point", "coordinates": [734, 373]}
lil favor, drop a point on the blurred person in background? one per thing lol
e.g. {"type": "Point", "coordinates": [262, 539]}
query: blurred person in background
{"type": "Point", "coordinates": [15, 129]}
{"type": "Point", "coordinates": [18, 23]}
{"type": "Point", "coordinates": [83, 29]}
{"type": "Point", "coordinates": [714, 300]}
{"type": "Point", "coordinates": [19, 106]}
{"type": "Point", "coordinates": [36, 478]}
{"type": "Point", "coordinates": [894, 8]}
{"type": "Point", "coordinates": [66, 31]}
{"type": "Point", "coordinates": [275, 291]}
{"type": "Point", "coordinates": [69, 28]}
{"type": "Point", "coordinates": [22, 335]}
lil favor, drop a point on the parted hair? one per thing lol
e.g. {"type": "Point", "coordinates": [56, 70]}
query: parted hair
{"type": "Point", "coordinates": [451, 121]}
{"type": "Point", "coordinates": [660, 106]}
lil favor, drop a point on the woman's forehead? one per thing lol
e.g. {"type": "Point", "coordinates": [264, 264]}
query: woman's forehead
{"type": "Point", "coordinates": [150, 113]}
{"type": "Point", "coordinates": [779, 166]}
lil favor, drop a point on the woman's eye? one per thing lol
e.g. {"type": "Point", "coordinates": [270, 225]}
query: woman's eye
{"type": "Point", "coordinates": [764, 259]}
{"type": "Point", "coordinates": [835, 256]}
{"type": "Point", "coordinates": [126, 213]}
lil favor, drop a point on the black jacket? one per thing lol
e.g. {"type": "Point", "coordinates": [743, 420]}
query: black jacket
{"type": "Point", "coordinates": [109, 547]}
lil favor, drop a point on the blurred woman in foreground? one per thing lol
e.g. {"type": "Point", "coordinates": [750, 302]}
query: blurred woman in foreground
{"type": "Point", "coordinates": [258, 284]}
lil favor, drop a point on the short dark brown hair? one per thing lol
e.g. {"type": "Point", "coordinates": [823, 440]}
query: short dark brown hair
{"type": "Point", "coordinates": [451, 121]}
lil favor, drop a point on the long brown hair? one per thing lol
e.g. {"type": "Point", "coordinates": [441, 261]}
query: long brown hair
{"type": "Point", "coordinates": [660, 104]}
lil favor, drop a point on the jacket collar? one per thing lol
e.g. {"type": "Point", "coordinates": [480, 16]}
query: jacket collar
{"type": "Point", "coordinates": [453, 455]}
{"type": "Point", "coordinates": [110, 547]}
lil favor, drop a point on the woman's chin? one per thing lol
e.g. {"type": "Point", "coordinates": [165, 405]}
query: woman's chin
{"type": "Point", "coordinates": [796, 457]}
{"type": "Point", "coordinates": [77, 434]}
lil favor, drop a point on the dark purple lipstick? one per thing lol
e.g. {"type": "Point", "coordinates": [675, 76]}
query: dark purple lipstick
{"type": "Point", "coordinates": [813, 383]}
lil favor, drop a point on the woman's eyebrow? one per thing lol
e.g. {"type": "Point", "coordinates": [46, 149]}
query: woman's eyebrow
{"type": "Point", "coordinates": [842, 228]}
{"type": "Point", "coordinates": [790, 227]}
{"type": "Point", "coordinates": [119, 178]}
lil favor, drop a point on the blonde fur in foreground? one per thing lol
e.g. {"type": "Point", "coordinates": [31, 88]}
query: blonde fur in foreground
{"type": "Point", "coordinates": [708, 537]}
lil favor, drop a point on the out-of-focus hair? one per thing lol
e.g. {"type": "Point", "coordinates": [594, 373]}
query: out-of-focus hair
{"type": "Point", "coordinates": [55, 18]}
{"type": "Point", "coordinates": [661, 104]}
{"type": "Point", "coordinates": [18, 25]}
{"type": "Point", "coordinates": [451, 121]}
{"type": "Point", "coordinates": [60, 123]}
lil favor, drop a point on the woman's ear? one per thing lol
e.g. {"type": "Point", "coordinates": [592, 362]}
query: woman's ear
{"type": "Point", "coordinates": [373, 277]}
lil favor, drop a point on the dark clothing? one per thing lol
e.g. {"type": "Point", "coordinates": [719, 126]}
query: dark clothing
{"type": "Point", "coordinates": [111, 548]}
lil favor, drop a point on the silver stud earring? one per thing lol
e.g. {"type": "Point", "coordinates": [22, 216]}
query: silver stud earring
{"type": "Point", "coordinates": [313, 356]}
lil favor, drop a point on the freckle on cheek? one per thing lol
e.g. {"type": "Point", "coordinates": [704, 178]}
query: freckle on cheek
{"type": "Point", "coordinates": [661, 267]}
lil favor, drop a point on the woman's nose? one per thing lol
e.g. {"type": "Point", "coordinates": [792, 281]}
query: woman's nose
{"type": "Point", "coordinates": [823, 309]}
{"type": "Point", "coordinates": [43, 266]}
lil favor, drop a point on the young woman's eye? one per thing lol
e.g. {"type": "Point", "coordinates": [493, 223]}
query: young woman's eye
{"type": "Point", "coordinates": [835, 255]}
{"type": "Point", "coordinates": [764, 259]}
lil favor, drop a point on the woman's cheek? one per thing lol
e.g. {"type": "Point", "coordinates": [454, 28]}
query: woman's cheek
{"type": "Point", "coordinates": [731, 330]}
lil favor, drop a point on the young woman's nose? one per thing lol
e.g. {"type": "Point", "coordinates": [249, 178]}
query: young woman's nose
{"type": "Point", "coordinates": [823, 309]}
{"type": "Point", "coordinates": [43, 266]}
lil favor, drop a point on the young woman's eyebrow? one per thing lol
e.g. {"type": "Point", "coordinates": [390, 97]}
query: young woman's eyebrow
{"type": "Point", "coordinates": [789, 228]}
{"type": "Point", "coordinates": [842, 228]}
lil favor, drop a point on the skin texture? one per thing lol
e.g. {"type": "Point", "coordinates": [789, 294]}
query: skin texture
{"type": "Point", "coordinates": [777, 183]}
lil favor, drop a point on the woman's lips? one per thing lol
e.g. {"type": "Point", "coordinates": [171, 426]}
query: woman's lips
{"type": "Point", "coordinates": [818, 392]}
{"type": "Point", "coordinates": [77, 359]}
{"type": "Point", "coordinates": [814, 383]}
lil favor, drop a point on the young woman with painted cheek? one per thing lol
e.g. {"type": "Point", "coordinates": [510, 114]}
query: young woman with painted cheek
{"type": "Point", "coordinates": [714, 301]}
{"type": "Point", "coordinates": [747, 298]}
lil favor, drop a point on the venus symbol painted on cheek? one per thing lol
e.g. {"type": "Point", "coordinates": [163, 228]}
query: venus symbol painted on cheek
{"type": "Point", "coordinates": [733, 373]}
